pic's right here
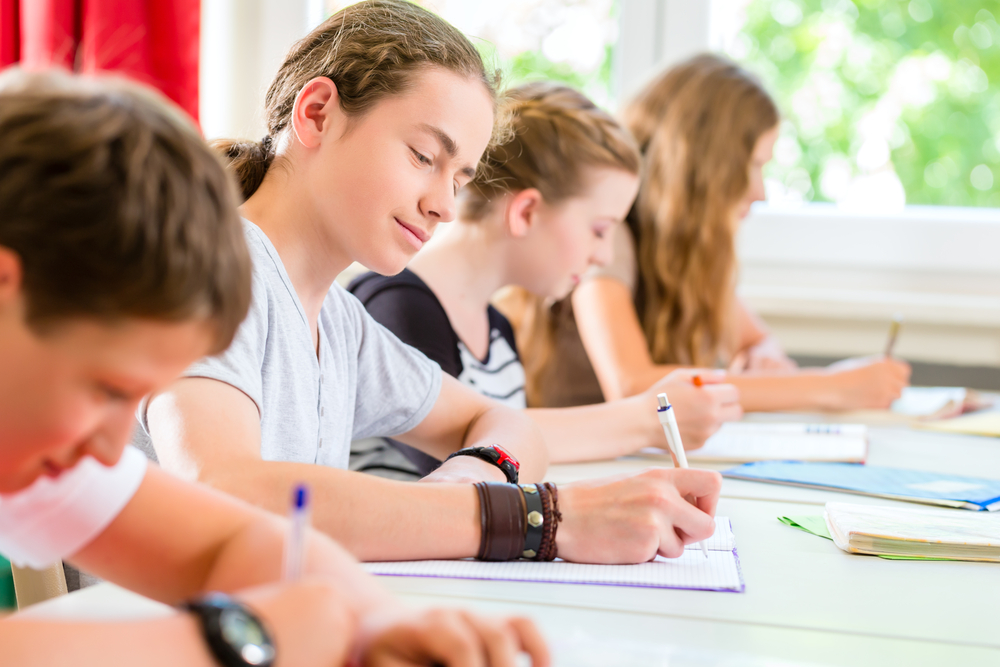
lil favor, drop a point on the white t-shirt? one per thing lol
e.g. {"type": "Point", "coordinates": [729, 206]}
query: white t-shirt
{"type": "Point", "coordinates": [55, 518]}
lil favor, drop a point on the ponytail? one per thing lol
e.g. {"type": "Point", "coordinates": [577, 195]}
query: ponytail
{"type": "Point", "coordinates": [248, 161]}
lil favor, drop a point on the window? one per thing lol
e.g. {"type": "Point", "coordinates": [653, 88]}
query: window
{"type": "Point", "coordinates": [559, 40]}
{"type": "Point", "coordinates": [888, 102]}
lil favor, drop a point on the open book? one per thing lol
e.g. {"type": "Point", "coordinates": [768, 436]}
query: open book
{"type": "Point", "coordinates": [719, 572]}
{"type": "Point", "coordinates": [742, 442]}
{"type": "Point", "coordinates": [902, 531]}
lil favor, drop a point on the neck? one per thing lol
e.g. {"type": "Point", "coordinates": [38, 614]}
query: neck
{"type": "Point", "coordinates": [464, 266]}
{"type": "Point", "coordinates": [284, 210]}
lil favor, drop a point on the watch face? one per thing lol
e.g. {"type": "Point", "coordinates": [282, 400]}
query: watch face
{"type": "Point", "coordinates": [246, 637]}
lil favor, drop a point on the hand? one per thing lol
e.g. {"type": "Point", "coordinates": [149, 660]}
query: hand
{"type": "Point", "coordinates": [873, 382]}
{"type": "Point", "coordinates": [768, 356]}
{"type": "Point", "coordinates": [448, 637]}
{"type": "Point", "coordinates": [632, 518]}
{"type": "Point", "coordinates": [701, 410]}
{"type": "Point", "coordinates": [310, 622]}
{"type": "Point", "coordinates": [466, 470]}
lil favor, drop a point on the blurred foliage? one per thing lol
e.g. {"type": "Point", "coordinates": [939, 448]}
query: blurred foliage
{"type": "Point", "coordinates": [924, 73]}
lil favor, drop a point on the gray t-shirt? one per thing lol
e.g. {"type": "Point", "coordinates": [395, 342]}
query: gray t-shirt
{"type": "Point", "coordinates": [365, 383]}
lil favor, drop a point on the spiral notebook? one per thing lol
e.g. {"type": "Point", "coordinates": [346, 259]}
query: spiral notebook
{"type": "Point", "coordinates": [692, 571]}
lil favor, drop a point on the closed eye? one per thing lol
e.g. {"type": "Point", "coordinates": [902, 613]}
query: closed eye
{"type": "Point", "coordinates": [421, 158]}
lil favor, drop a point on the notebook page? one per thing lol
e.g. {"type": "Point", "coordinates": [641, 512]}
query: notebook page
{"type": "Point", "coordinates": [794, 442]}
{"type": "Point", "coordinates": [719, 572]}
{"type": "Point", "coordinates": [922, 525]}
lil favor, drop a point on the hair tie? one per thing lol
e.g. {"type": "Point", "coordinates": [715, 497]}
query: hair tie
{"type": "Point", "coordinates": [266, 143]}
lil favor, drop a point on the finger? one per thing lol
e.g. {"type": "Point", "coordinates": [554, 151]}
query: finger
{"type": "Point", "coordinates": [702, 484]}
{"type": "Point", "coordinates": [724, 393]}
{"type": "Point", "coordinates": [708, 376]}
{"type": "Point", "coordinates": [738, 364]}
{"type": "Point", "coordinates": [448, 639]}
{"type": "Point", "coordinates": [689, 523]}
{"type": "Point", "coordinates": [532, 641]}
{"type": "Point", "coordinates": [499, 643]}
{"type": "Point", "coordinates": [731, 412]}
{"type": "Point", "coordinates": [671, 544]}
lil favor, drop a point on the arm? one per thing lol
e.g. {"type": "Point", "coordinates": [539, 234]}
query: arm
{"type": "Point", "coordinates": [463, 418]}
{"type": "Point", "coordinates": [758, 349]}
{"type": "Point", "coordinates": [608, 430]}
{"type": "Point", "coordinates": [612, 335]}
{"type": "Point", "coordinates": [174, 540]}
{"type": "Point", "coordinates": [616, 345]}
{"type": "Point", "coordinates": [374, 518]}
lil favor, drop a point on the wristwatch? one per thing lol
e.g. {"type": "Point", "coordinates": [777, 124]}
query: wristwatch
{"type": "Point", "coordinates": [496, 455]}
{"type": "Point", "coordinates": [235, 636]}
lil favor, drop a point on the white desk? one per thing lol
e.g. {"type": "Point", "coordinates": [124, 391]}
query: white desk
{"type": "Point", "coordinates": [805, 601]}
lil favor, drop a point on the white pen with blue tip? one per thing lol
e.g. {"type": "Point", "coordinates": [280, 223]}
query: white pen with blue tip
{"type": "Point", "coordinates": [668, 421]}
{"type": "Point", "coordinates": [295, 545]}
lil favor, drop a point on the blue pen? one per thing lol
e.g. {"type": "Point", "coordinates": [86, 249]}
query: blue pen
{"type": "Point", "coordinates": [295, 544]}
{"type": "Point", "coordinates": [668, 421]}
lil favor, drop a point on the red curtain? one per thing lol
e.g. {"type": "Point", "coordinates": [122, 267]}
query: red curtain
{"type": "Point", "coordinates": [153, 41]}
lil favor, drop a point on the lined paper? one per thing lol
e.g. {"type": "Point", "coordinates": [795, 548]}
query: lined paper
{"type": "Point", "coordinates": [719, 572]}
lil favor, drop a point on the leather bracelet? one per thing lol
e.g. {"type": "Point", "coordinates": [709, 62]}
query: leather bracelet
{"type": "Point", "coordinates": [549, 550]}
{"type": "Point", "coordinates": [502, 521]}
{"type": "Point", "coordinates": [535, 524]}
{"type": "Point", "coordinates": [546, 546]}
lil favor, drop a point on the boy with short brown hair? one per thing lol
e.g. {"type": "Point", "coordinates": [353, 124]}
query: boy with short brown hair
{"type": "Point", "coordinates": [122, 261]}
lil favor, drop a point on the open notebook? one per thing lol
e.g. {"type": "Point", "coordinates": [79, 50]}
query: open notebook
{"type": "Point", "coordinates": [742, 442]}
{"type": "Point", "coordinates": [719, 572]}
{"type": "Point", "coordinates": [902, 531]}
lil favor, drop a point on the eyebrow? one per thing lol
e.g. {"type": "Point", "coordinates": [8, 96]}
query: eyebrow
{"type": "Point", "coordinates": [449, 145]}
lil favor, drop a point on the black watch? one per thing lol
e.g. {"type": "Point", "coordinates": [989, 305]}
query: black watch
{"type": "Point", "coordinates": [496, 455]}
{"type": "Point", "coordinates": [235, 636]}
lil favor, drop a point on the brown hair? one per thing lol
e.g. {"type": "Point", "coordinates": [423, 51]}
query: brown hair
{"type": "Point", "coordinates": [116, 207]}
{"type": "Point", "coordinates": [557, 133]}
{"type": "Point", "coordinates": [697, 125]}
{"type": "Point", "coordinates": [370, 50]}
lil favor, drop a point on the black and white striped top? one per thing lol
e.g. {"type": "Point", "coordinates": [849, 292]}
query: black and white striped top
{"type": "Point", "coordinates": [406, 306]}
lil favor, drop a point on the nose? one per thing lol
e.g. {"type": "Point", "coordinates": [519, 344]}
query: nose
{"type": "Point", "coordinates": [439, 203]}
{"type": "Point", "coordinates": [108, 441]}
{"type": "Point", "coordinates": [604, 252]}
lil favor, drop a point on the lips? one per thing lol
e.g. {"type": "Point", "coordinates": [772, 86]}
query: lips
{"type": "Point", "coordinates": [51, 469]}
{"type": "Point", "coordinates": [415, 235]}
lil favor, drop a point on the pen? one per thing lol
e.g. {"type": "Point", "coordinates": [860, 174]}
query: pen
{"type": "Point", "coordinates": [295, 544]}
{"type": "Point", "coordinates": [897, 322]}
{"type": "Point", "coordinates": [668, 421]}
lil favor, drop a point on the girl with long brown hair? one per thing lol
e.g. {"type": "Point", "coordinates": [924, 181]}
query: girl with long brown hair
{"type": "Point", "coordinates": [538, 214]}
{"type": "Point", "coordinates": [706, 129]}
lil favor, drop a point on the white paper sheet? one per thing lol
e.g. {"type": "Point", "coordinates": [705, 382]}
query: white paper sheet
{"type": "Point", "coordinates": [719, 572]}
{"type": "Point", "coordinates": [745, 442]}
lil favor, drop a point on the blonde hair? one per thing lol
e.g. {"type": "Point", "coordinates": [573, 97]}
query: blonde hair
{"type": "Point", "coordinates": [370, 50]}
{"type": "Point", "coordinates": [556, 134]}
{"type": "Point", "coordinates": [697, 125]}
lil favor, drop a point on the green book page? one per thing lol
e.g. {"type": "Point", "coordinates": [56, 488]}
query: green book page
{"type": "Point", "coordinates": [816, 525]}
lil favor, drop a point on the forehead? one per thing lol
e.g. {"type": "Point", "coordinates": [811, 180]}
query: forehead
{"type": "Point", "coordinates": [437, 99]}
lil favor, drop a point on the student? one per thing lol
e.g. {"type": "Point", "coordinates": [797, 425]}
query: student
{"type": "Point", "coordinates": [122, 260]}
{"type": "Point", "coordinates": [376, 119]}
{"type": "Point", "coordinates": [535, 217]}
{"type": "Point", "coordinates": [706, 129]}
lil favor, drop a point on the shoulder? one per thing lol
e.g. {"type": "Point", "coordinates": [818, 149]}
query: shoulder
{"type": "Point", "coordinates": [369, 286]}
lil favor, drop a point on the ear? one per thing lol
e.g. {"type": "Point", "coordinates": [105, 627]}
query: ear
{"type": "Point", "coordinates": [522, 212]}
{"type": "Point", "coordinates": [11, 276]}
{"type": "Point", "coordinates": [316, 112]}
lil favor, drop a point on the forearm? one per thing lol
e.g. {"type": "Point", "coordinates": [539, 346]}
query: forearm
{"type": "Point", "coordinates": [373, 518]}
{"type": "Point", "coordinates": [633, 380]}
{"type": "Point", "coordinates": [518, 434]}
{"type": "Point", "coordinates": [601, 431]}
{"type": "Point", "coordinates": [799, 390]}
{"type": "Point", "coordinates": [255, 554]}
{"type": "Point", "coordinates": [164, 642]}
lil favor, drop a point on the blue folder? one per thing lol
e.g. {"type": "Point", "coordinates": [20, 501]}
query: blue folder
{"type": "Point", "coordinates": [973, 493]}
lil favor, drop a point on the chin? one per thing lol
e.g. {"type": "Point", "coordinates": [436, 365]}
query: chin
{"type": "Point", "coordinates": [388, 266]}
